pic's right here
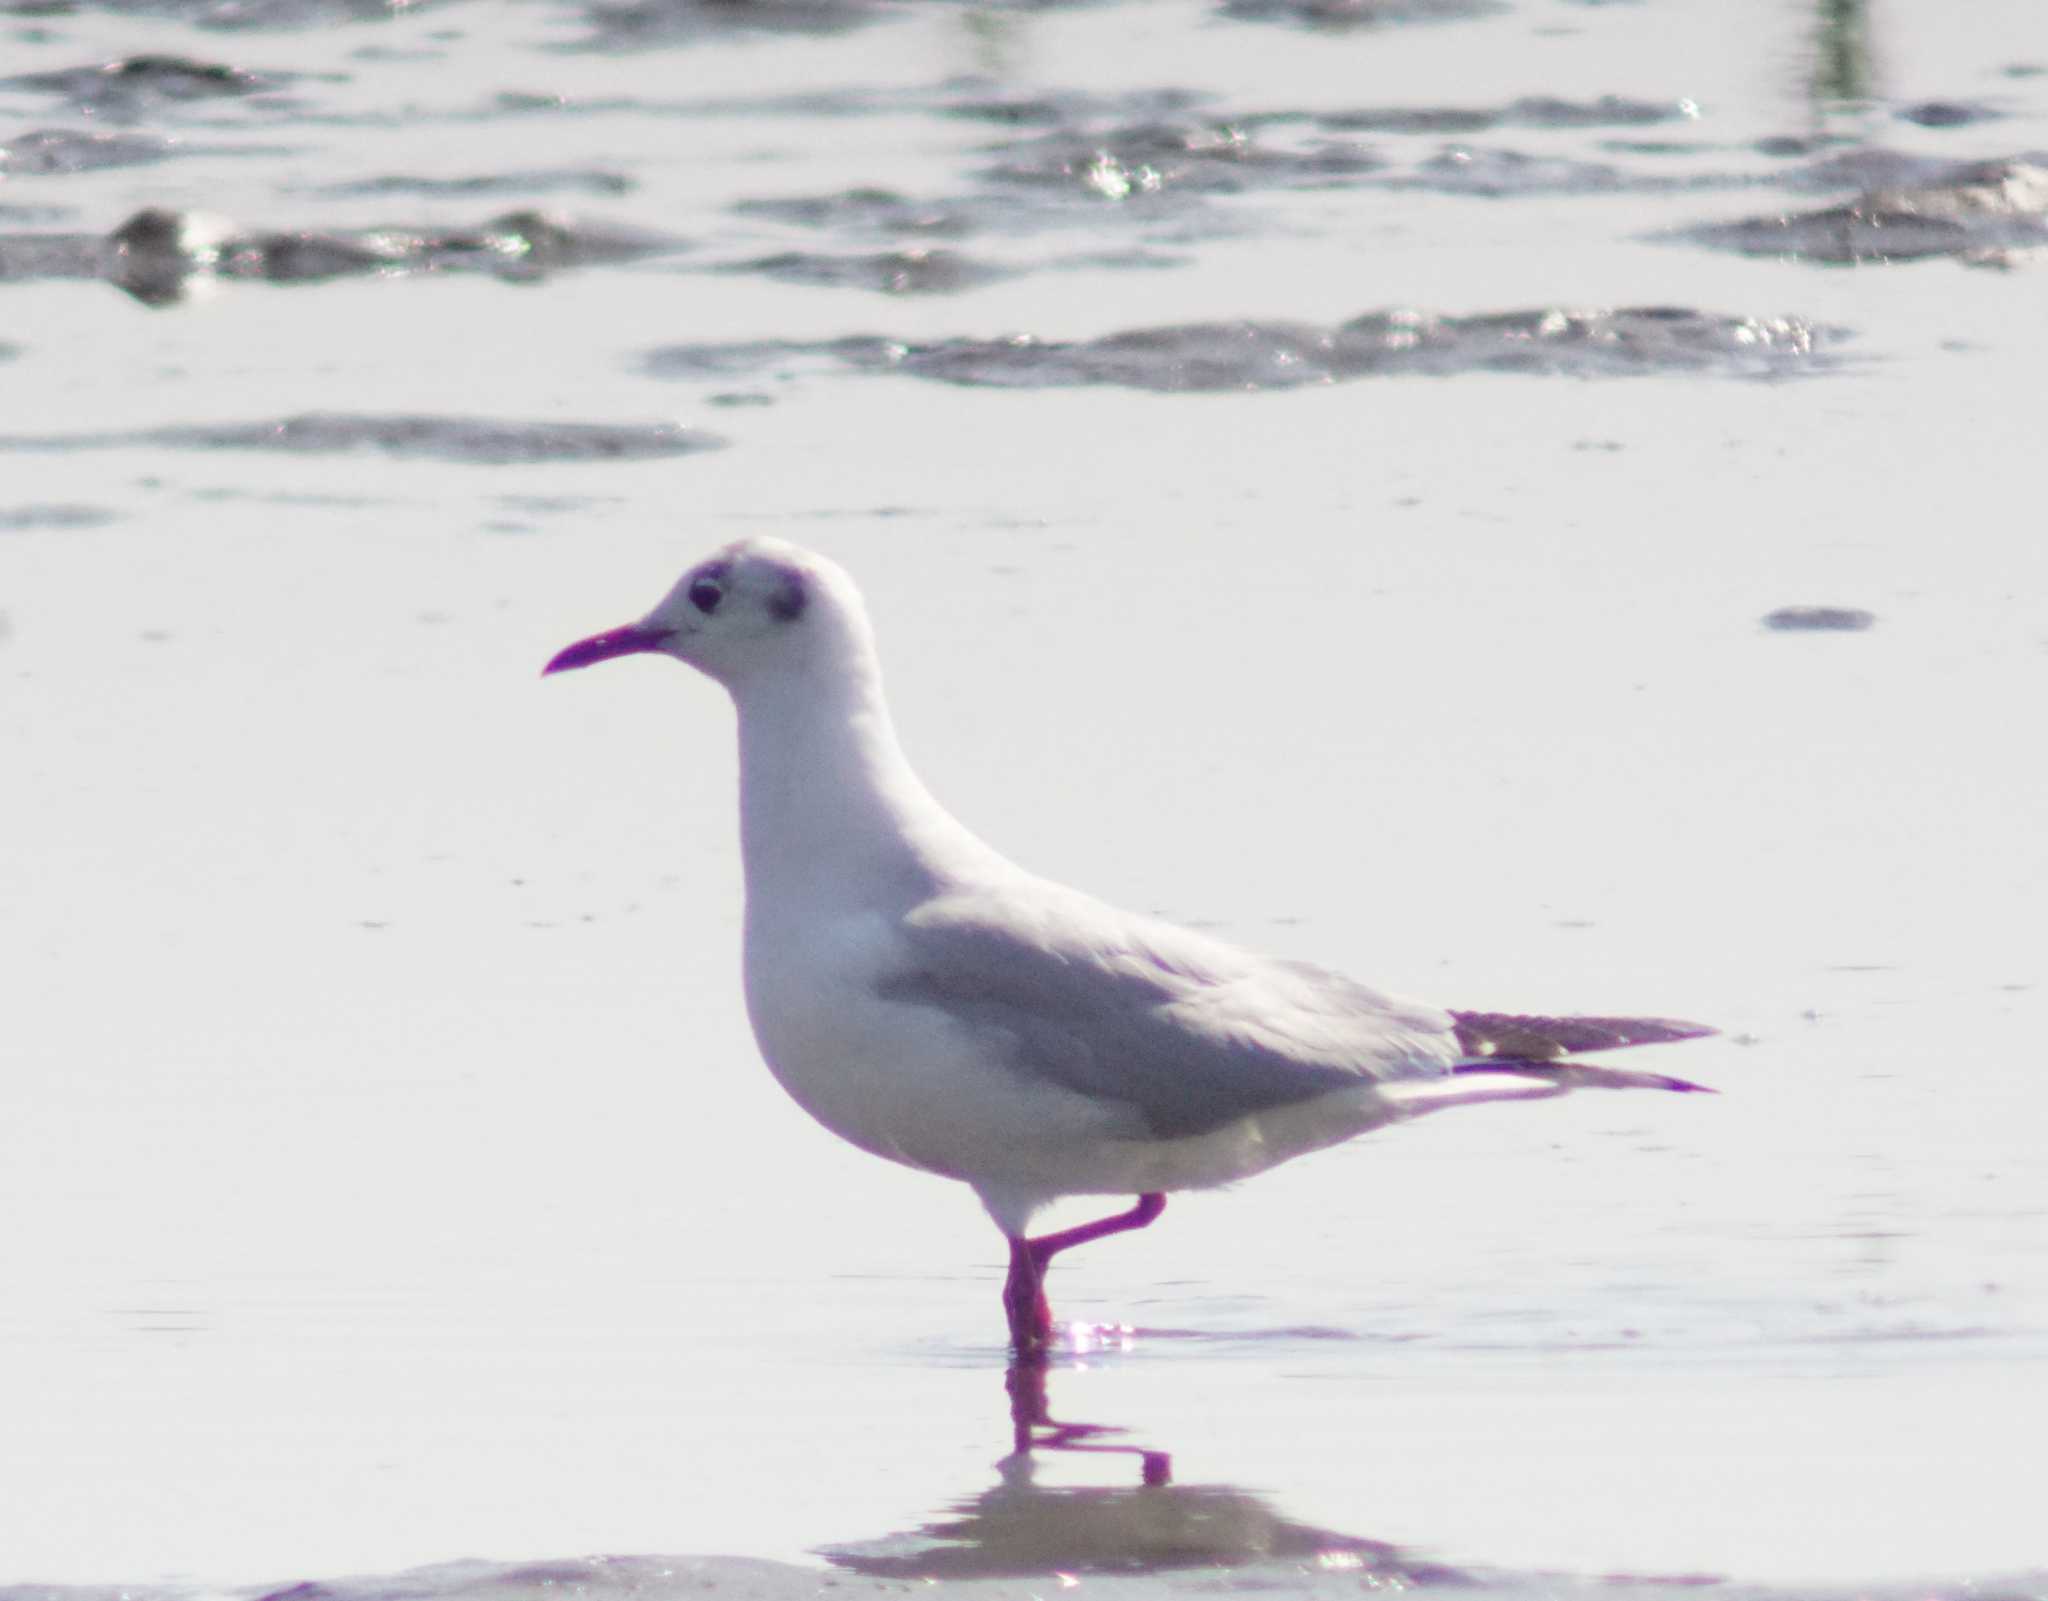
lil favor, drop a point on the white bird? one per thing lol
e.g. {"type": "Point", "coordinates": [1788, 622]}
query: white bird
{"type": "Point", "coordinates": [933, 1003]}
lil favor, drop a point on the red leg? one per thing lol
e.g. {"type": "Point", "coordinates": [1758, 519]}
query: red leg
{"type": "Point", "coordinates": [1024, 1300]}
{"type": "Point", "coordinates": [1024, 1290]}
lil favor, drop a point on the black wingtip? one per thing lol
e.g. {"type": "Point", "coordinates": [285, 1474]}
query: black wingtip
{"type": "Point", "coordinates": [1509, 1034]}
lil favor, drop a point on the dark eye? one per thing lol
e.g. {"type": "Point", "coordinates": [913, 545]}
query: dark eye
{"type": "Point", "coordinates": [705, 594]}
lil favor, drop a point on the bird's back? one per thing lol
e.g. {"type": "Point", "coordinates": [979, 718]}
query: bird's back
{"type": "Point", "coordinates": [1188, 1032]}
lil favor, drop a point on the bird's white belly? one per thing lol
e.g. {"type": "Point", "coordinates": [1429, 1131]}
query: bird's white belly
{"type": "Point", "coordinates": [905, 1081]}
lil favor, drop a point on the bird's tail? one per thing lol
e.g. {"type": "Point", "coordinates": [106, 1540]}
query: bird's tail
{"type": "Point", "coordinates": [1539, 1047]}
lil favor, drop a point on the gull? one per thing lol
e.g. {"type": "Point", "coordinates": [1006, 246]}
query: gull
{"type": "Point", "coordinates": [933, 1003]}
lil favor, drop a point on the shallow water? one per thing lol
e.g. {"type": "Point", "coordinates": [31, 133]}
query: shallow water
{"type": "Point", "coordinates": [392, 1181]}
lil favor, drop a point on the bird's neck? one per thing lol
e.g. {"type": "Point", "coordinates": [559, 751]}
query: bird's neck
{"type": "Point", "coordinates": [829, 803]}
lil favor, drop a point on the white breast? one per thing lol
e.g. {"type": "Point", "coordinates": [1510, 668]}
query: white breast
{"type": "Point", "coordinates": [906, 1081]}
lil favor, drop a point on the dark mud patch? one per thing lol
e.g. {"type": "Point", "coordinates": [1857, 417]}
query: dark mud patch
{"type": "Point", "coordinates": [1867, 167]}
{"type": "Point", "coordinates": [1533, 111]}
{"type": "Point", "coordinates": [249, 16]}
{"type": "Point", "coordinates": [135, 86]}
{"type": "Point", "coordinates": [865, 210]}
{"type": "Point", "coordinates": [1980, 213]}
{"type": "Point", "coordinates": [893, 272]}
{"type": "Point", "coordinates": [54, 514]}
{"type": "Point", "coordinates": [1069, 108]}
{"type": "Point", "coordinates": [1078, 152]}
{"type": "Point", "coordinates": [1194, 157]}
{"type": "Point", "coordinates": [1003, 210]}
{"type": "Point", "coordinates": [1211, 358]}
{"type": "Point", "coordinates": [66, 152]}
{"type": "Point", "coordinates": [158, 255]}
{"type": "Point", "coordinates": [633, 25]}
{"type": "Point", "coordinates": [1507, 173]}
{"type": "Point", "coordinates": [1167, 160]}
{"type": "Point", "coordinates": [1344, 15]}
{"type": "Point", "coordinates": [1947, 114]}
{"type": "Point", "coordinates": [545, 181]}
{"type": "Point", "coordinates": [1819, 620]}
{"type": "Point", "coordinates": [824, 104]}
{"type": "Point", "coordinates": [469, 440]}
{"type": "Point", "coordinates": [559, 505]}
{"type": "Point", "coordinates": [27, 257]}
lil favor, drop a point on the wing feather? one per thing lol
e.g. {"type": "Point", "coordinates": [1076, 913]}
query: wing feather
{"type": "Point", "coordinates": [1189, 1032]}
{"type": "Point", "coordinates": [1508, 1035]}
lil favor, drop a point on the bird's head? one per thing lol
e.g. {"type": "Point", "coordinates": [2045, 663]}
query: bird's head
{"type": "Point", "coordinates": [751, 607]}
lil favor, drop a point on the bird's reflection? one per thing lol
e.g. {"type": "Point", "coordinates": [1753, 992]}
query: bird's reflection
{"type": "Point", "coordinates": [1018, 1526]}
{"type": "Point", "coordinates": [1033, 1428]}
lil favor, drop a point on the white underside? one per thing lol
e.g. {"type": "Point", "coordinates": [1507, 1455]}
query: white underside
{"type": "Point", "coordinates": [916, 1086]}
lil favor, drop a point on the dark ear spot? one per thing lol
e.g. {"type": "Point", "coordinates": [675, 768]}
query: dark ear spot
{"type": "Point", "coordinates": [790, 598]}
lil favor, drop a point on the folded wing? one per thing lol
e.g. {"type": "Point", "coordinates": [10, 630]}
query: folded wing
{"type": "Point", "coordinates": [1189, 1033]}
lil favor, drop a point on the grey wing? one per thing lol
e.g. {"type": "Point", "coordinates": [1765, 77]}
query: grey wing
{"type": "Point", "coordinates": [1190, 1033]}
